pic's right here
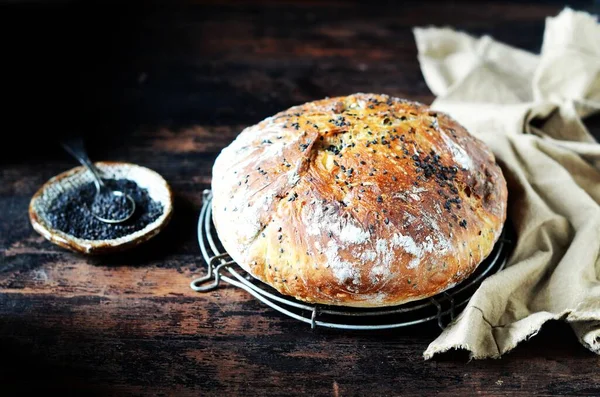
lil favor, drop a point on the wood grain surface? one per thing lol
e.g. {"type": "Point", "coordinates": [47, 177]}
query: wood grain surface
{"type": "Point", "coordinates": [167, 87]}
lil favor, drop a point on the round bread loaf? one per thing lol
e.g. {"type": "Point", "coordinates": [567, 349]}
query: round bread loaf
{"type": "Point", "coordinates": [365, 200]}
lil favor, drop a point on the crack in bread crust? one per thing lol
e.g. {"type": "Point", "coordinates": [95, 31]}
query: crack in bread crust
{"type": "Point", "coordinates": [364, 200]}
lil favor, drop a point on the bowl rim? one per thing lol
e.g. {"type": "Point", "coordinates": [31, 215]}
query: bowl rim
{"type": "Point", "coordinates": [94, 247]}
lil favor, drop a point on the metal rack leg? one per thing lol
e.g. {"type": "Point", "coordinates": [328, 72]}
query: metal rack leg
{"type": "Point", "coordinates": [313, 318]}
{"type": "Point", "coordinates": [439, 313]}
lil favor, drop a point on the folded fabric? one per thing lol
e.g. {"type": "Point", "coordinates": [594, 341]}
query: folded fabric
{"type": "Point", "coordinates": [528, 108]}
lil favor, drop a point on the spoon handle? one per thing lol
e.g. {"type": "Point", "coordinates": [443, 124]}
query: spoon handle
{"type": "Point", "coordinates": [76, 148]}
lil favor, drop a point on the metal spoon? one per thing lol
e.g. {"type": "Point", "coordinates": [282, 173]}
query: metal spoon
{"type": "Point", "coordinates": [76, 148]}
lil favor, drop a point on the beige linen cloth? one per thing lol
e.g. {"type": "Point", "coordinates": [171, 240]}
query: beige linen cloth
{"type": "Point", "coordinates": [528, 109]}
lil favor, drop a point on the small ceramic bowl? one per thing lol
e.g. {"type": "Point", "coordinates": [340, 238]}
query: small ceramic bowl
{"type": "Point", "coordinates": [157, 187]}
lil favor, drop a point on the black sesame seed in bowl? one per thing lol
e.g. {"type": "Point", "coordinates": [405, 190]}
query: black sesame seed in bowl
{"type": "Point", "coordinates": [71, 212]}
{"type": "Point", "coordinates": [61, 209]}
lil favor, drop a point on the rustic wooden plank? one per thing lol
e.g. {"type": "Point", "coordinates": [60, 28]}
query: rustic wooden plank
{"type": "Point", "coordinates": [198, 343]}
{"type": "Point", "coordinates": [168, 88]}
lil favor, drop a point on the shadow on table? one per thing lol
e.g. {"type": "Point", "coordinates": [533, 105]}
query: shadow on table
{"type": "Point", "coordinates": [30, 366]}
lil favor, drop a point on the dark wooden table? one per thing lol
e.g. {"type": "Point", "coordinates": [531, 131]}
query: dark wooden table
{"type": "Point", "coordinates": [168, 87]}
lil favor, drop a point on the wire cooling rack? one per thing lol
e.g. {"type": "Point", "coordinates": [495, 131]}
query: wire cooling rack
{"type": "Point", "coordinates": [441, 308]}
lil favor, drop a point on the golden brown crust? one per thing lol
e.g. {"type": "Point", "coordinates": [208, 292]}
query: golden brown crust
{"type": "Point", "coordinates": [364, 200]}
